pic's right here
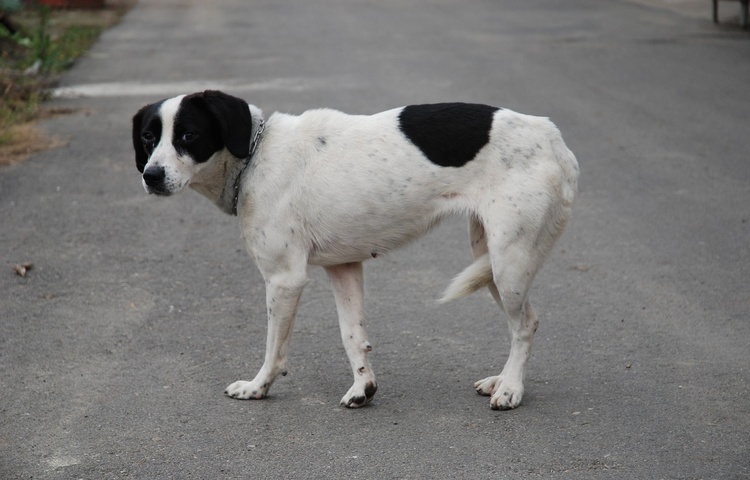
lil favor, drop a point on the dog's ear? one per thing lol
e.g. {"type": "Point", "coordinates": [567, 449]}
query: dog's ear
{"type": "Point", "coordinates": [234, 119]}
{"type": "Point", "coordinates": [141, 156]}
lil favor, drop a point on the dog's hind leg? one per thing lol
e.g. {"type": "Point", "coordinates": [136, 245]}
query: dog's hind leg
{"type": "Point", "coordinates": [514, 267]}
{"type": "Point", "coordinates": [348, 291]}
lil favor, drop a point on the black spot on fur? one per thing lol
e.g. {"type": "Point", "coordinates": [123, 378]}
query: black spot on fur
{"type": "Point", "coordinates": [449, 134]}
{"type": "Point", "coordinates": [356, 401]}
{"type": "Point", "coordinates": [370, 390]}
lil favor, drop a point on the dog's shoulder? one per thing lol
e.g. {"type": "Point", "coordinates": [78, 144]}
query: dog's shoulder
{"type": "Point", "coordinates": [312, 119]}
{"type": "Point", "coordinates": [323, 124]}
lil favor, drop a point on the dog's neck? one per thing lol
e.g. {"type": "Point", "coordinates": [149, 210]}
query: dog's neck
{"type": "Point", "coordinates": [221, 177]}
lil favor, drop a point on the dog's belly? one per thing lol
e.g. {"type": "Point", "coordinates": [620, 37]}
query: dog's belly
{"type": "Point", "coordinates": [370, 238]}
{"type": "Point", "coordinates": [369, 213]}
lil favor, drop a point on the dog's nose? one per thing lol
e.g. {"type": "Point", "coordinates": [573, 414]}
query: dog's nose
{"type": "Point", "coordinates": [153, 176]}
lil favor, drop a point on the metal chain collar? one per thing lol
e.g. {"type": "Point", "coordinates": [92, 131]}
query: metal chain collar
{"type": "Point", "coordinates": [246, 162]}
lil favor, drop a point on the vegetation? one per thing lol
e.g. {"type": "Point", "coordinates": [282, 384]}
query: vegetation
{"type": "Point", "coordinates": [36, 45]}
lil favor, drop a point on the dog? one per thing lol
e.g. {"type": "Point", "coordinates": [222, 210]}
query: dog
{"type": "Point", "coordinates": [330, 189]}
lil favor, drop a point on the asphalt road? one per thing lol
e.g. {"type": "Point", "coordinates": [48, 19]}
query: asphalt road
{"type": "Point", "coordinates": [115, 348]}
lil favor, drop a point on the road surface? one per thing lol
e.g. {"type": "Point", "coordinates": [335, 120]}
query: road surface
{"type": "Point", "coordinates": [117, 345]}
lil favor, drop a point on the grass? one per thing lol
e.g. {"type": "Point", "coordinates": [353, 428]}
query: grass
{"type": "Point", "coordinates": [21, 98]}
{"type": "Point", "coordinates": [47, 43]}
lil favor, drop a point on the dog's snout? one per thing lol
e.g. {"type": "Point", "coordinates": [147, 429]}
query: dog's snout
{"type": "Point", "coordinates": [153, 176]}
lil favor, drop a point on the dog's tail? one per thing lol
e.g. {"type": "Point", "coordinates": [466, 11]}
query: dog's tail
{"type": "Point", "coordinates": [474, 277]}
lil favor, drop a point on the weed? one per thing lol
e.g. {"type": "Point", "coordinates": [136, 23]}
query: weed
{"type": "Point", "coordinates": [46, 43]}
{"type": "Point", "coordinates": [22, 95]}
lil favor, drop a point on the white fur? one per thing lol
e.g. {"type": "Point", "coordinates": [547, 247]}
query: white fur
{"type": "Point", "coordinates": [474, 277]}
{"type": "Point", "coordinates": [178, 169]}
{"type": "Point", "coordinates": [330, 189]}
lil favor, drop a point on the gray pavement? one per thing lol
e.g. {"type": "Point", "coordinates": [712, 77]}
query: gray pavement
{"type": "Point", "coordinates": [116, 347]}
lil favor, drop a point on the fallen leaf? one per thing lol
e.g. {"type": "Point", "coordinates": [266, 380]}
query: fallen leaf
{"type": "Point", "coordinates": [582, 268]}
{"type": "Point", "coordinates": [22, 268]}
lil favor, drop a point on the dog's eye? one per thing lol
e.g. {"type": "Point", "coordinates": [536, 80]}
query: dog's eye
{"type": "Point", "coordinates": [147, 137]}
{"type": "Point", "coordinates": [188, 137]}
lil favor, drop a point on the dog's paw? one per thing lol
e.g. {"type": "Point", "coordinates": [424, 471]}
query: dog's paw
{"type": "Point", "coordinates": [359, 395]}
{"type": "Point", "coordinates": [242, 390]}
{"type": "Point", "coordinates": [504, 393]}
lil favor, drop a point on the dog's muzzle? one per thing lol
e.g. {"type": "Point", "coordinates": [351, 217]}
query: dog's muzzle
{"type": "Point", "coordinates": [154, 177]}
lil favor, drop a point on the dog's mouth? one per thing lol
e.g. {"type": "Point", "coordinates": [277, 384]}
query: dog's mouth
{"type": "Point", "coordinates": [160, 191]}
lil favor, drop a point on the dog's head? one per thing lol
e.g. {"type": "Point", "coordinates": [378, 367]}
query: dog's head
{"type": "Point", "coordinates": [175, 138]}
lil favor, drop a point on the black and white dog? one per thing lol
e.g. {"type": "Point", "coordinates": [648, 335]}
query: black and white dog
{"type": "Point", "coordinates": [330, 189]}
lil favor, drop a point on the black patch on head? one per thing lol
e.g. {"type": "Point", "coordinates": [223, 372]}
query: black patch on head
{"type": "Point", "coordinates": [147, 128]}
{"type": "Point", "coordinates": [448, 134]}
{"type": "Point", "coordinates": [205, 123]}
{"type": "Point", "coordinates": [230, 117]}
{"type": "Point", "coordinates": [196, 132]}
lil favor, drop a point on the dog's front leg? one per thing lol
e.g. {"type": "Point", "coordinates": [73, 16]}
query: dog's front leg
{"type": "Point", "coordinates": [348, 291]}
{"type": "Point", "coordinates": [282, 299]}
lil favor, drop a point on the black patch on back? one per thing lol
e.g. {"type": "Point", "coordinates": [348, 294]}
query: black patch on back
{"type": "Point", "coordinates": [449, 134]}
